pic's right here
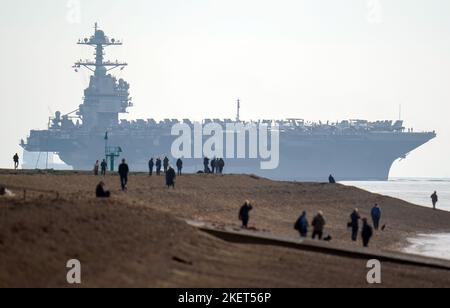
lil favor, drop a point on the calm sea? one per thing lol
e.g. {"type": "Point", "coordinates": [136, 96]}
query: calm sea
{"type": "Point", "coordinates": [417, 191]}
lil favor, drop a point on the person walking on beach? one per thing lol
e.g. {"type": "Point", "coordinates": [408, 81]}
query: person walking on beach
{"type": "Point", "coordinates": [318, 224]}
{"type": "Point", "coordinates": [179, 166]}
{"type": "Point", "coordinates": [123, 172]}
{"type": "Point", "coordinates": [354, 224]}
{"type": "Point", "coordinates": [158, 166]}
{"type": "Point", "coordinates": [367, 233]}
{"type": "Point", "coordinates": [302, 225]}
{"type": "Point", "coordinates": [434, 199]}
{"type": "Point", "coordinates": [103, 167]}
{"type": "Point", "coordinates": [16, 161]}
{"type": "Point", "coordinates": [96, 168]}
{"type": "Point", "coordinates": [244, 214]}
{"type": "Point", "coordinates": [151, 165]}
{"type": "Point", "coordinates": [166, 164]}
{"type": "Point", "coordinates": [170, 177]}
{"type": "Point", "coordinates": [376, 216]}
{"type": "Point", "coordinates": [100, 191]}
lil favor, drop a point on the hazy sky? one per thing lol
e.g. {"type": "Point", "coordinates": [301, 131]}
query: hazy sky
{"type": "Point", "coordinates": [311, 59]}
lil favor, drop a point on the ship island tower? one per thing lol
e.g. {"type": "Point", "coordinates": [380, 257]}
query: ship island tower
{"type": "Point", "coordinates": [106, 97]}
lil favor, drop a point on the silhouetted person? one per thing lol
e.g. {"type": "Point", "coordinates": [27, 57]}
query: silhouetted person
{"type": "Point", "coordinates": [206, 165]}
{"type": "Point", "coordinates": [434, 199]}
{"type": "Point", "coordinates": [151, 165]}
{"type": "Point", "coordinates": [318, 224]}
{"type": "Point", "coordinates": [170, 177]}
{"type": "Point", "coordinates": [213, 165]}
{"type": "Point", "coordinates": [179, 166]}
{"type": "Point", "coordinates": [100, 191]}
{"type": "Point", "coordinates": [123, 172]}
{"type": "Point", "coordinates": [166, 164]}
{"type": "Point", "coordinates": [2, 191]}
{"type": "Point", "coordinates": [244, 214]}
{"type": "Point", "coordinates": [302, 225]}
{"type": "Point", "coordinates": [221, 165]}
{"type": "Point", "coordinates": [158, 166]}
{"type": "Point", "coordinates": [376, 216]}
{"type": "Point", "coordinates": [16, 161]}
{"type": "Point", "coordinates": [96, 168]}
{"type": "Point", "coordinates": [332, 180]}
{"type": "Point", "coordinates": [354, 224]}
{"type": "Point", "coordinates": [367, 233]}
{"type": "Point", "coordinates": [104, 166]}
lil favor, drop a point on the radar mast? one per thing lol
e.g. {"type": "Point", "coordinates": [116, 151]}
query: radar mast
{"type": "Point", "coordinates": [99, 41]}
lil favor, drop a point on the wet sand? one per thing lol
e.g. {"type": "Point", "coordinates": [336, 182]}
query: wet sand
{"type": "Point", "coordinates": [139, 238]}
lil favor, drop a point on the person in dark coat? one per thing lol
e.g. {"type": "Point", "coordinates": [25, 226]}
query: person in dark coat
{"type": "Point", "coordinates": [244, 214]}
{"type": "Point", "coordinates": [213, 166]}
{"type": "Point", "coordinates": [434, 199]}
{"type": "Point", "coordinates": [367, 233]}
{"type": "Point", "coordinates": [206, 164]}
{"type": "Point", "coordinates": [151, 165]}
{"type": "Point", "coordinates": [158, 166]}
{"type": "Point", "coordinates": [2, 191]}
{"type": "Point", "coordinates": [354, 224]}
{"type": "Point", "coordinates": [16, 161]}
{"type": "Point", "coordinates": [221, 165]}
{"type": "Point", "coordinates": [123, 172]}
{"type": "Point", "coordinates": [103, 167]}
{"type": "Point", "coordinates": [100, 191]}
{"type": "Point", "coordinates": [376, 216]}
{"type": "Point", "coordinates": [170, 177]}
{"type": "Point", "coordinates": [302, 225]}
{"type": "Point", "coordinates": [179, 166]}
{"type": "Point", "coordinates": [166, 164]}
{"type": "Point", "coordinates": [331, 179]}
{"type": "Point", "coordinates": [318, 224]}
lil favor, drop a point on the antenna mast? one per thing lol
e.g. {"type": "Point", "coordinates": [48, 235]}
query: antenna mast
{"type": "Point", "coordinates": [238, 117]}
{"type": "Point", "coordinates": [99, 41]}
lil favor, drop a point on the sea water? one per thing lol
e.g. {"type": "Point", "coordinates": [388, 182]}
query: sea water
{"type": "Point", "coordinates": [430, 245]}
{"type": "Point", "coordinates": [417, 191]}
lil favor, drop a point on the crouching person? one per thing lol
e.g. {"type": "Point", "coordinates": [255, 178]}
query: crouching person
{"type": "Point", "coordinates": [100, 192]}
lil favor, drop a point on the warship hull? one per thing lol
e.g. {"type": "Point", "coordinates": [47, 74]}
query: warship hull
{"type": "Point", "coordinates": [362, 157]}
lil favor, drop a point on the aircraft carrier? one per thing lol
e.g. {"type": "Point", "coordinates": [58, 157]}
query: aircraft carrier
{"type": "Point", "coordinates": [350, 150]}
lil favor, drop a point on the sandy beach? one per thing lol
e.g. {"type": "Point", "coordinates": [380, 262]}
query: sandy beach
{"type": "Point", "coordinates": [140, 238]}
